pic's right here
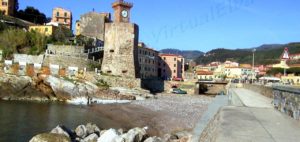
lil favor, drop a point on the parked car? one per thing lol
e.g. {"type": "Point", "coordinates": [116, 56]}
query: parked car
{"type": "Point", "coordinates": [178, 91]}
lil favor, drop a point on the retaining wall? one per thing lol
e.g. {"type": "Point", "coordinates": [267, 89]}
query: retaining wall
{"type": "Point", "coordinates": [287, 100]}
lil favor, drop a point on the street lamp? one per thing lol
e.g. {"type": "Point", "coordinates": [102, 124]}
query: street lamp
{"type": "Point", "coordinates": [253, 69]}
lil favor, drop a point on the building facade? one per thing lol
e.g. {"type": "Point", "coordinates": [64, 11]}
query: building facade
{"type": "Point", "coordinates": [239, 73]}
{"type": "Point", "coordinates": [7, 7]}
{"type": "Point", "coordinates": [47, 30]}
{"type": "Point", "coordinates": [62, 16]}
{"type": "Point", "coordinates": [148, 61]}
{"type": "Point", "coordinates": [92, 24]}
{"type": "Point", "coordinates": [205, 75]}
{"type": "Point", "coordinates": [171, 67]}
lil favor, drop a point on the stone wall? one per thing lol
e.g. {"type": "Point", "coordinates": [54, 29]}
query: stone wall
{"type": "Point", "coordinates": [115, 81]}
{"type": "Point", "coordinates": [120, 50]}
{"type": "Point", "coordinates": [287, 100]}
{"type": "Point", "coordinates": [65, 61]}
{"type": "Point", "coordinates": [66, 50]}
{"type": "Point", "coordinates": [92, 24]}
{"type": "Point", "coordinates": [264, 90]}
{"type": "Point", "coordinates": [29, 59]}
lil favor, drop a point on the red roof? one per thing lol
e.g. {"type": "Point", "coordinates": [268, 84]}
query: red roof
{"type": "Point", "coordinates": [205, 73]}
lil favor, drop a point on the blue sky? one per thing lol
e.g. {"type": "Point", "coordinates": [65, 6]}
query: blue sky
{"type": "Point", "coordinates": [199, 24]}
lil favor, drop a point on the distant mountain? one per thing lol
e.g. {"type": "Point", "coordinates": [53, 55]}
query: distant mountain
{"type": "Point", "coordinates": [187, 54]}
{"type": "Point", "coordinates": [265, 54]}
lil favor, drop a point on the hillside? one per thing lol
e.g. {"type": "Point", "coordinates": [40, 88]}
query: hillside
{"type": "Point", "coordinates": [265, 54]}
{"type": "Point", "coordinates": [187, 54]}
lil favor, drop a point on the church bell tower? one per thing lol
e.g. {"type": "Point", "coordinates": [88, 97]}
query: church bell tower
{"type": "Point", "coordinates": [122, 11]}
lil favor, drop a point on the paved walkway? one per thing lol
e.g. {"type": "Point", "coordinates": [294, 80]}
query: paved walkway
{"type": "Point", "coordinates": [252, 99]}
{"type": "Point", "coordinates": [256, 121]}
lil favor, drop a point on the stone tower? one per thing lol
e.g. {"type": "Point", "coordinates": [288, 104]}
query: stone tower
{"type": "Point", "coordinates": [120, 44]}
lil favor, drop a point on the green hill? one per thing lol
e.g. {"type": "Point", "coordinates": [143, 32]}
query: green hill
{"type": "Point", "coordinates": [265, 54]}
{"type": "Point", "coordinates": [187, 54]}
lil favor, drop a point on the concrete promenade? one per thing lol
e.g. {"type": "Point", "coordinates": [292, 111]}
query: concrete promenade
{"type": "Point", "coordinates": [254, 119]}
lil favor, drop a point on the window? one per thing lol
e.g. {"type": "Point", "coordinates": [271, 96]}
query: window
{"type": "Point", "coordinates": [108, 71]}
{"type": "Point", "coordinates": [4, 3]}
{"type": "Point", "coordinates": [111, 51]}
{"type": "Point", "coordinates": [175, 59]}
{"type": "Point", "coordinates": [57, 19]}
{"type": "Point", "coordinates": [174, 71]}
{"type": "Point", "coordinates": [164, 58]}
{"type": "Point", "coordinates": [66, 14]}
{"type": "Point", "coordinates": [65, 20]}
{"type": "Point", "coordinates": [174, 65]}
{"type": "Point", "coordinates": [57, 14]}
{"type": "Point", "coordinates": [124, 71]}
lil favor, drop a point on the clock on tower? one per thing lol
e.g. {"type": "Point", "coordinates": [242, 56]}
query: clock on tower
{"type": "Point", "coordinates": [122, 11]}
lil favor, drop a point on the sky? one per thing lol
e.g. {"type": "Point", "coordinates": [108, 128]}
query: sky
{"type": "Point", "coordinates": [198, 24]}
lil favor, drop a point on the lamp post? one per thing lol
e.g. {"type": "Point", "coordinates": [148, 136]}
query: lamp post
{"type": "Point", "coordinates": [253, 69]}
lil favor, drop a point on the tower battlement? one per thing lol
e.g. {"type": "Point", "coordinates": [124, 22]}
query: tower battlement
{"type": "Point", "coordinates": [123, 3]}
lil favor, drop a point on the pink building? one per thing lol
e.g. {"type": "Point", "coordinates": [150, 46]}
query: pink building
{"type": "Point", "coordinates": [171, 67]}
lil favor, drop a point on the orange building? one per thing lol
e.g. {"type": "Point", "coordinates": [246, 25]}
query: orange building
{"type": "Point", "coordinates": [171, 67]}
{"type": "Point", "coordinates": [62, 16]}
{"type": "Point", "coordinates": [7, 7]}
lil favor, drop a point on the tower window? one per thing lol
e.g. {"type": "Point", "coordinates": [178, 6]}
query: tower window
{"type": "Point", "coordinates": [124, 71]}
{"type": "Point", "coordinates": [57, 13]}
{"type": "Point", "coordinates": [66, 14]}
{"type": "Point", "coordinates": [111, 51]}
{"type": "Point", "coordinates": [108, 71]}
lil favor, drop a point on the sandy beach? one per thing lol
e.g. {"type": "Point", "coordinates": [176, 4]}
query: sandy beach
{"type": "Point", "coordinates": [164, 114]}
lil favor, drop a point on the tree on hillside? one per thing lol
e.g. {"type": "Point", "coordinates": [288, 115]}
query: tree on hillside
{"type": "Point", "coordinates": [20, 41]}
{"type": "Point", "coordinates": [61, 35]}
{"type": "Point", "coordinates": [16, 8]}
{"type": "Point", "coordinates": [32, 15]}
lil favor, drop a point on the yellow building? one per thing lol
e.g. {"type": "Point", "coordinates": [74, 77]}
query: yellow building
{"type": "Point", "coordinates": [291, 79]}
{"type": "Point", "coordinates": [47, 30]}
{"type": "Point", "coordinates": [7, 7]}
{"type": "Point", "coordinates": [77, 28]}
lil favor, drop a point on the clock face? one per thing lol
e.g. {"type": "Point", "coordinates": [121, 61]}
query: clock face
{"type": "Point", "coordinates": [124, 13]}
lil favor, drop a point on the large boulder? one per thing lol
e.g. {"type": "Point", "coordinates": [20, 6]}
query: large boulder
{"type": "Point", "coordinates": [91, 138]}
{"type": "Point", "coordinates": [81, 131]}
{"type": "Point", "coordinates": [63, 89]}
{"type": "Point", "coordinates": [153, 139]}
{"type": "Point", "coordinates": [59, 130]}
{"type": "Point", "coordinates": [50, 137]}
{"type": "Point", "coordinates": [109, 136]}
{"type": "Point", "coordinates": [135, 135]}
{"type": "Point", "coordinates": [139, 94]}
{"type": "Point", "coordinates": [23, 88]}
{"type": "Point", "coordinates": [66, 89]}
{"type": "Point", "coordinates": [92, 128]}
